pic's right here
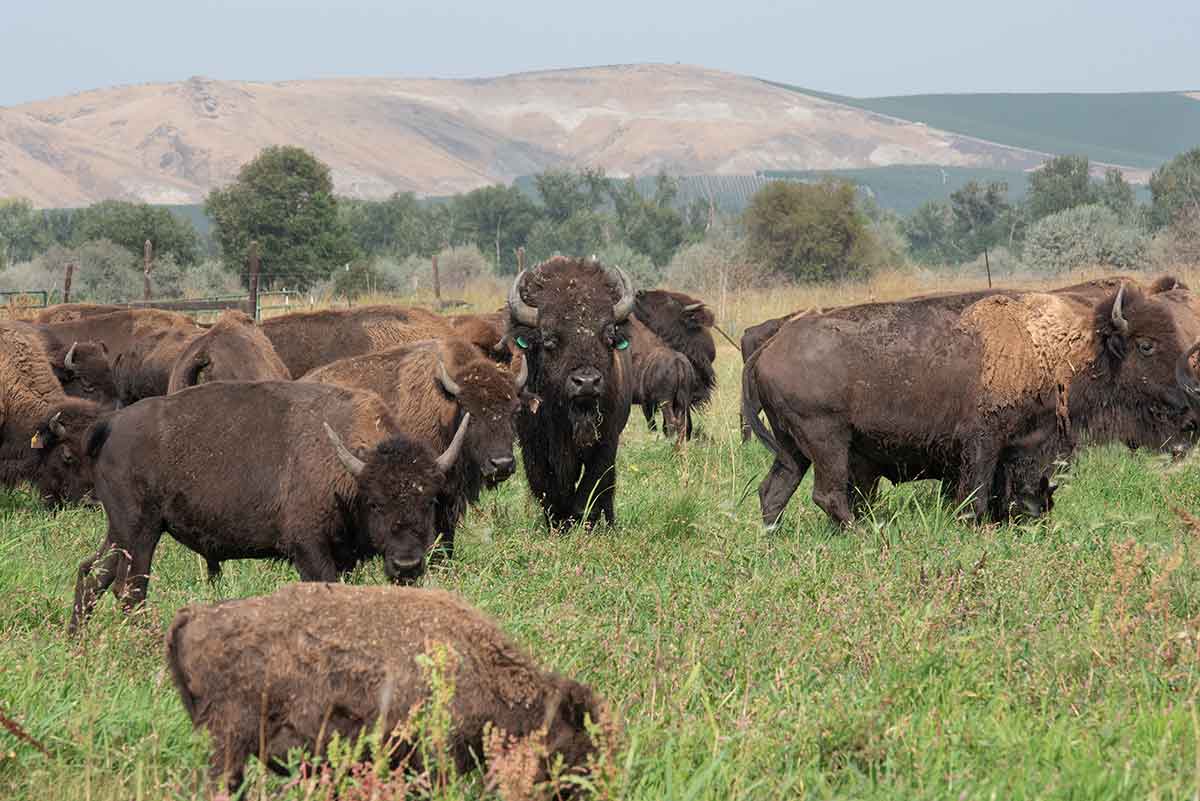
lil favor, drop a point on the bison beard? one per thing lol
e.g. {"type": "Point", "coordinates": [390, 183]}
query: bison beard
{"type": "Point", "coordinates": [569, 316]}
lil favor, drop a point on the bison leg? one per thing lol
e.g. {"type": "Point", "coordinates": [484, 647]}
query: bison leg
{"type": "Point", "coordinates": [313, 563]}
{"type": "Point", "coordinates": [780, 484]}
{"type": "Point", "coordinates": [213, 568]}
{"type": "Point", "coordinates": [598, 487]}
{"type": "Point", "coordinates": [648, 411]}
{"type": "Point", "coordinates": [138, 577]}
{"type": "Point", "coordinates": [829, 449]}
{"type": "Point", "coordinates": [864, 484]}
{"type": "Point", "coordinates": [978, 476]}
{"type": "Point", "coordinates": [93, 580]}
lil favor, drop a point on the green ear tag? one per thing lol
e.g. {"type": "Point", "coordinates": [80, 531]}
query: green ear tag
{"type": "Point", "coordinates": [521, 343]}
{"type": "Point", "coordinates": [623, 344]}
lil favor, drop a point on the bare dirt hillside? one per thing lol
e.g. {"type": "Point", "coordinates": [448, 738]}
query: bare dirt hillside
{"type": "Point", "coordinates": [171, 143]}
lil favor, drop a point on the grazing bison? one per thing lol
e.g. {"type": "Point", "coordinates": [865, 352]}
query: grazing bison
{"type": "Point", "coordinates": [683, 323]}
{"type": "Point", "coordinates": [430, 387]}
{"type": "Point", "coordinates": [234, 349]}
{"type": "Point", "coordinates": [258, 469]}
{"type": "Point", "coordinates": [308, 340]}
{"type": "Point", "coordinates": [84, 372]}
{"type": "Point", "coordinates": [289, 670]}
{"type": "Point", "coordinates": [662, 378]}
{"type": "Point", "coordinates": [922, 388]}
{"type": "Point", "coordinates": [34, 411]}
{"type": "Point", "coordinates": [570, 317]}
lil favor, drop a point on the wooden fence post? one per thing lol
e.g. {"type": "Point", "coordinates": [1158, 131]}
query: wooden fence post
{"type": "Point", "coordinates": [437, 283]}
{"type": "Point", "coordinates": [67, 282]}
{"type": "Point", "coordinates": [254, 279]}
{"type": "Point", "coordinates": [520, 259]}
{"type": "Point", "coordinates": [147, 266]}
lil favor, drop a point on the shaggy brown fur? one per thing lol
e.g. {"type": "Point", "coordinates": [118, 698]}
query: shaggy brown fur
{"type": "Point", "coordinates": [406, 377]}
{"type": "Point", "coordinates": [234, 349]}
{"type": "Point", "coordinates": [69, 312]}
{"type": "Point", "coordinates": [290, 669]}
{"type": "Point", "coordinates": [484, 331]}
{"type": "Point", "coordinates": [89, 377]}
{"type": "Point", "coordinates": [1007, 369]}
{"type": "Point", "coordinates": [308, 340]}
{"type": "Point", "coordinates": [28, 391]}
{"type": "Point", "coordinates": [579, 365]}
{"type": "Point", "coordinates": [244, 470]}
{"type": "Point", "coordinates": [63, 475]}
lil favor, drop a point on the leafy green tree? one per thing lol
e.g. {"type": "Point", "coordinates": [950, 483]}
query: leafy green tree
{"type": "Point", "coordinates": [650, 226]}
{"type": "Point", "coordinates": [23, 233]}
{"type": "Point", "coordinates": [498, 220]}
{"type": "Point", "coordinates": [810, 231]}
{"type": "Point", "coordinates": [930, 233]}
{"type": "Point", "coordinates": [565, 193]}
{"type": "Point", "coordinates": [1116, 193]}
{"type": "Point", "coordinates": [284, 200]}
{"type": "Point", "coordinates": [131, 224]}
{"type": "Point", "coordinates": [1175, 188]}
{"type": "Point", "coordinates": [1061, 183]}
{"type": "Point", "coordinates": [581, 234]}
{"type": "Point", "coordinates": [399, 226]}
{"type": "Point", "coordinates": [981, 216]}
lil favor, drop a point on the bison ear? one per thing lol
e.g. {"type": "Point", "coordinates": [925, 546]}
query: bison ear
{"type": "Point", "coordinates": [534, 402]}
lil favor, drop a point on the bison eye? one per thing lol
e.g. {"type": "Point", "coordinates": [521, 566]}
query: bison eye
{"type": "Point", "coordinates": [1146, 347]}
{"type": "Point", "coordinates": [522, 343]}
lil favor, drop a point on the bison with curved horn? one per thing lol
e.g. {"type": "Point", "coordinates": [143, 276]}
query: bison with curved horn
{"type": "Point", "coordinates": [570, 317]}
{"type": "Point", "coordinates": [920, 389]}
{"type": "Point", "coordinates": [273, 478]}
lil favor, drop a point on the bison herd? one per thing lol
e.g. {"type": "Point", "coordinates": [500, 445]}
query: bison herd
{"type": "Point", "coordinates": [331, 437]}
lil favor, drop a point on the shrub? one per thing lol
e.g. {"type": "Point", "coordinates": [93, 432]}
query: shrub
{"type": "Point", "coordinates": [209, 279]}
{"type": "Point", "coordinates": [720, 263]}
{"type": "Point", "coordinates": [1084, 236]}
{"type": "Point", "coordinates": [640, 268]}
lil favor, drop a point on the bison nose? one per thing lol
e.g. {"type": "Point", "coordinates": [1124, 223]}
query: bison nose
{"type": "Point", "coordinates": [502, 465]}
{"type": "Point", "coordinates": [585, 382]}
{"type": "Point", "coordinates": [404, 571]}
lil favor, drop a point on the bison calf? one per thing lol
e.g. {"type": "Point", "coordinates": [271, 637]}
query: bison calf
{"type": "Point", "coordinates": [288, 670]}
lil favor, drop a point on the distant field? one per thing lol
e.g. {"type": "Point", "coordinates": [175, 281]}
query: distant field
{"type": "Point", "coordinates": [1136, 129]}
{"type": "Point", "coordinates": [913, 656]}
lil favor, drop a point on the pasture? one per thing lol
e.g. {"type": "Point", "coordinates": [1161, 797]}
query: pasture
{"type": "Point", "coordinates": [912, 656]}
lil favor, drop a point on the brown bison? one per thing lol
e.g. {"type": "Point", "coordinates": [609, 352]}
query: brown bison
{"type": "Point", "coordinates": [291, 669]}
{"type": "Point", "coordinates": [662, 378]}
{"type": "Point", "coordinates": [922, 388]}
{"type": "Point", "coordinates": [234, 349]}
{"type": "Point", "coordinates": [570, 317]}
{"type": "Point", "coordinates": [683, 323]}
{"type": "Point", "coordinates": [84, 372]}
{"type": "Point", "coordinates": [258, 469]}
{"type": "Point", "coordinates": [308, 340]}
{"type": "Point", "coordinates": [63, 475]}
{"type": "Point", "coordinates": [430, 387]}
{"type": "Point", "coordinates": [69, 312]}
{"type": "Point", "coordinates": [30, 397]}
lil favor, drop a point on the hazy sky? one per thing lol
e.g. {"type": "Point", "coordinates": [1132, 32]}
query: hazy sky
{"type": "Point", "coordinates": [54, 47]}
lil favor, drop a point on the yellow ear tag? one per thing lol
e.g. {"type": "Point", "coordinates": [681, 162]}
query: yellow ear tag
{"type": "Point", "coordinates": [35, 442]}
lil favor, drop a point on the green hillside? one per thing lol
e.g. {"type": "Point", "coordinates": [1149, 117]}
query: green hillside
{"type": "Point", "coordinates": [1136, 129]}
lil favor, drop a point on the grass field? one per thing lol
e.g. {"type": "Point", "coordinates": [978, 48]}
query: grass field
{"type": "Point", "coordinates": [913, 656]}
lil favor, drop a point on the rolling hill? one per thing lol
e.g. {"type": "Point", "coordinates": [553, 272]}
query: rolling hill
{"type": "Point", "coordinates": [1134, 129]}
{"type": "Point", "coordinates": [171, 143]}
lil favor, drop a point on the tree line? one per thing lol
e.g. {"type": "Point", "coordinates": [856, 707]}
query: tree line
{"type": "Point", "coordinates": [791, 230]}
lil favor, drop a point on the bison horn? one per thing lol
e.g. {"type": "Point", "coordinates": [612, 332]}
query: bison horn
{"type": "Point", "coordinates": [1118, 318]}
{"type": "Point", "coordinates": [352, 463]}
{"type": "Point", "coordinates": [1186, 378]}
{"type": "Point", "coordinates": [691, 307]}
{"type": "Point", "coordinates": [620, 279]}
{"type": "Point", "coordinates": [449, 456]}
{"type": "Point", "coordinates": [69, 359]}
{"type": "Point", "coordinates": [56, 427]}
{"type": "Point", "coordinates": [448, 383]}
{"type": "Point", "coordinates": [523, 373]}
{"type": "Point", "coordinates": [521, 311]}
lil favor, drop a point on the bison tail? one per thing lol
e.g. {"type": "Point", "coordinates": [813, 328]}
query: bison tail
{"type": "Point", "coordinates": [174, 660]}
{"type": "Point", "coordinates": [751, 406]}
{"type": "Point", "coordinates": [96, 437]}
{"type": "Point", "coordinates": [681, 399]}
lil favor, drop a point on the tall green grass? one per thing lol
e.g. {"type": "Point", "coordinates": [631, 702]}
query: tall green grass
{"type": "Point", "coordinates": [913, 656]}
